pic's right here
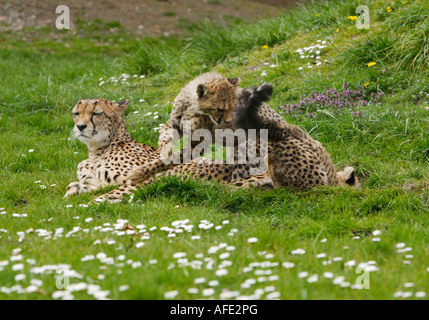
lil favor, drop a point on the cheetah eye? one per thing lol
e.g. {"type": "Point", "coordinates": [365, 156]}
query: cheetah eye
{"type": "Point", "coordinates": [98, 113]}
{"type": "Point", "coordinates": [75, 113]}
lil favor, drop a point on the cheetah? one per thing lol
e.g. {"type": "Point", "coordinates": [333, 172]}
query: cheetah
{"type": "Point", "coordinates": [204, 103]}
{"type": "Point", "coordinates": [295, 159]}
{"type": "Point", "coordinates": [113, 153]}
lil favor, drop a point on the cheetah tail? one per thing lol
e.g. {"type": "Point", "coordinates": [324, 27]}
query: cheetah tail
{"type": "Point", "coordinates": [245, 115]}
{"type": "Point", "coordinates": [348, 177]}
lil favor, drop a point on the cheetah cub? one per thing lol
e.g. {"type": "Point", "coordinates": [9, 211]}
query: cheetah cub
{"type": "Point", "coordinates": [204, 103]}
{"type": "Point", "coordinates": [295, 159]}
{"type": "Point", "coordinates": [113, 153]}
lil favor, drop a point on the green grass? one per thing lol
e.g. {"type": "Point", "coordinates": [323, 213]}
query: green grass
{"type": "Point", "coordinates": [389, 146]}
{"type": "Point", "coordinates": [169, 13]}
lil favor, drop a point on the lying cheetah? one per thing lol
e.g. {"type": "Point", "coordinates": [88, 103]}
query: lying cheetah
{"type": "Point", "coordinates": [113, 153]}
{"type": "Point", "coordinates": [295, 159]}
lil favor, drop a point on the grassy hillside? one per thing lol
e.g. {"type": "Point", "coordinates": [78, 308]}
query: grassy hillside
{"type": "Point", "coordinates": [362, 93]}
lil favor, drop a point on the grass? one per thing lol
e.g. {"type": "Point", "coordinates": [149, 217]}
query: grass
{"type": "Point", "coordinates": [388, 145]}
{"type": "Point", "coordinates": [169, 13]}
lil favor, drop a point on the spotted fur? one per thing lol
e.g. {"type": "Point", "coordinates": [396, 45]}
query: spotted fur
{"type": "Point", "coordinates": [113, 153]}
{"type": "Point", "coordinates": [295, 159]}
{"type": "Point", "coordinates": [206, 101]}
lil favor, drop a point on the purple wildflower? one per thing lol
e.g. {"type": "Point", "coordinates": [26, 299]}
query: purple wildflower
{"type": "Point", "coordinates": [347, 100]}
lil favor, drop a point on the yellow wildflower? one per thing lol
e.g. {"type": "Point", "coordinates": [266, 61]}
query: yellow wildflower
{"type": "Point", "coordinates": [317, 14]}
{"type": "Point", "coordinates": [338, 30]}
{"type": "Point", "coordinates": [366, 84]}
{"type": "Point", "coordinates": [389, 9]}
{"type": "Point", "coordinates": [265, 47]}
{"type": "Point", "coordinates": [371, 64]}
{"type": "Point", "coordinates": [352, 18]}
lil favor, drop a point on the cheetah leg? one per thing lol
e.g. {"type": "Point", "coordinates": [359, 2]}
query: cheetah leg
{"type": "Point", "coordinates": [262, 181]}
{"type": "Point", "coordinates": [117, 195]}
{"type": "Point", "coordinates": [166, 136]}
{"type": "Point", "coordinates": [166, 161]}
{"type": "Point", "coordinates": [147, 170]}
{"type": "Point", "coordinates": [77, 188]}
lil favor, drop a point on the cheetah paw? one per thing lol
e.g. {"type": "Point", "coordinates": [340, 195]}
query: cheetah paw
{"type": "Point", "coordinates": [75, 188]}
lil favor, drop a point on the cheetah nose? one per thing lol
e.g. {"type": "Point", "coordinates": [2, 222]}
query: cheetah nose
{"type": "Point", "coordinates": [81, 127]}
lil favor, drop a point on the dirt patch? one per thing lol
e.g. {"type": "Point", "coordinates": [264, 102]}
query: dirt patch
{"type": "Point", "coordinates": [145, 17]}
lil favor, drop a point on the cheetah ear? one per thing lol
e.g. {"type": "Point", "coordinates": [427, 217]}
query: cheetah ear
{"type": "Point", "coordinates": [235, 81]}
{"type": "Point", "coordinates": [123, 104]}
{"type": "Point", "coordinates": [201, 90]}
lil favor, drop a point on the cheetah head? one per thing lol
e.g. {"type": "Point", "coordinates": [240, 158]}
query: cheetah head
{"type": "Point", "coordinates": [98, 121]}
{"type": "Point", "coordinates": [217, 99]}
